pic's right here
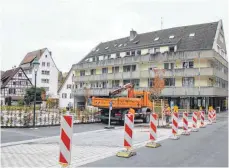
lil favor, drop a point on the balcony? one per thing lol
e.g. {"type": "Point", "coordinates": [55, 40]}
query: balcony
{"type": "Point", "coordinates": [168, 91]}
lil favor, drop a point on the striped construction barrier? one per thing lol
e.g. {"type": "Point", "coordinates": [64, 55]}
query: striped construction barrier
{"type": "Point", "coordinates": [202, 117]}
{"type": "Point", "coordinates": [66, 140]}
{"type": "Point", "coordinates": [174, 127]}
{"type": "Point", "coordinates": [128, 135]}
{"type": "Point", "coordinates": [214, 116]}
{"type": "Point", "coordinates": [185, 124]}
{"type": "Point", "coordinates": [210, 117]}
{"type": "Point", "coordinates": [194, 122]}
{"type": "Point", "coordinates": [153, 132]}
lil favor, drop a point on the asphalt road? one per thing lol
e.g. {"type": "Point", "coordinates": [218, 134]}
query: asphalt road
{"type": "Point", "coordinates": [206, 148]}
{"type": "Point", "coordinates": [20, 134]}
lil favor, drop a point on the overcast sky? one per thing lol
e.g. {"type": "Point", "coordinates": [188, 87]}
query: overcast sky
{"type": "Point", "coordinates": [71, 28]}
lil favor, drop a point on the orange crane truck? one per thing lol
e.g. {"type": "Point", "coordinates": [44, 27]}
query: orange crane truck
{"type": "Point", "coordinates": [137, 100]}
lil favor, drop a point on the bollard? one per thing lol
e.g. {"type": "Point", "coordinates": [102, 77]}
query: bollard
{"type": "Point", "coordinates": [194, 122]}
{"type": "Point", "coordinates": [128, 135]}
{"type": "Point", "coordinates": [185, 124]}
{"type": "Point", "coordinates": [210, 117]}
{"type": "Point", "coordinates": [153, 132]}
{"type": "Point", "coordinates": [175, 127]}
{"type": "Point", "coordinates": [66, 140]}
{"type": "Point", "coordinates": [202, 125]}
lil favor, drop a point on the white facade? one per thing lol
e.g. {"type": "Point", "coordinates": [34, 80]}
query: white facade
{"type": "Point", "coordinates": [65, 91]}
{"type": "Point", "coordinates": [47, 74]}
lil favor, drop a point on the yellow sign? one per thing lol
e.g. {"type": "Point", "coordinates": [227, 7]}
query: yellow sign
{"type": "Point", "coordinates": [175, 109]}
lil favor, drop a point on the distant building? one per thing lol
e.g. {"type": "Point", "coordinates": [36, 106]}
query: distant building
{"type": "Point", "coordinates": [47, 75]}
{"type": "Point", "coordinates": [14, 82]}
{"type": "Point", "coordinates": [194, 58]}
{"type": "Point", "coordinates": [65, 91]}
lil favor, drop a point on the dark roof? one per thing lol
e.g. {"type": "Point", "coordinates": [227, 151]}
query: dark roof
{"type": "Point", "coordinates": [5, 78]}
{"type": "Point", "coordinates": [31, 55]}
{"type": "Point", "coordinates": [203, 39]}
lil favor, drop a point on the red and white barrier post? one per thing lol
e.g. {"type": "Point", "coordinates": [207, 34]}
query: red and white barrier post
{"type": "Point", "coordinates": [66, 140]}
{"type": "Point", "coordinates": [128, 135]}
{"type": "Point", "coordinates": [153, 132]}
{"type": "Point", "coordinates": [209, 117]}
{"type": "Point", "coordinates": [175, 126]}
{"type": "Point", "coordinates": [214, 116]}
{"type": "Point", "coordinates": [185, 124]}
{"type": "Point", "coordinates": [194, 122]}
{"type": "Point", "coordinates": [202, 117]}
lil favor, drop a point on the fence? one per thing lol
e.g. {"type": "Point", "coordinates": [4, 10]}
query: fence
{"type": "Point", "coordinates": [43, 117]}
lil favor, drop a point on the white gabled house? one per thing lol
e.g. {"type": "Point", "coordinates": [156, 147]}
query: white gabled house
{"type": "Point", "coordinates": [47, 75]}
{"type": "Point", "coordinates": [65, 91]}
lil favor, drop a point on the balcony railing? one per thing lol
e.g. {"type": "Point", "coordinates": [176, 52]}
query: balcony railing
{"type": "Point", "coordinates": [168, 91]}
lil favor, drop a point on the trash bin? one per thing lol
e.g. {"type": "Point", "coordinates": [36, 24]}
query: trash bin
{"type": "Point", "coordinates": [217, 109]}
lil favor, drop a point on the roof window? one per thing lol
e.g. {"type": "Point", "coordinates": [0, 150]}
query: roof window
{"type": "Point", "coordinates": [120, 45]}
{"type": "Point", "coordinates": [106, 48]}
{"type": "Point", "coordinates": [191, 34]}
{"type": "Point", "coordinates": [115, 45]}
{"type": "Point", "coordinates": [124, 44]}
{"type": "Point", "coordinates": [157, 38]}
{"type": "Point", "coordinates": [172, 36]}
{"type": "Point", "coordinates": [97, 50]}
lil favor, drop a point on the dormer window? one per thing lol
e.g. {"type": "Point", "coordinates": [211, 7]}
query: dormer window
{"type": "Point", "coordinates": [157, 38]}
{"type": "Point", "coordinates": [106, 48]}
{"type": "Point", "coordinates": [171, 37]}
{"type": "Point", "coordinates": [191, 34]}
{"type": "Point", "coordinates": [120, 45]}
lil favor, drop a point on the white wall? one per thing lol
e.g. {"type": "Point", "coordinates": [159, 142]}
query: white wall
{"type": "Point", "coordinates": [52, 77]}
{"type": "Point", "coordinates": [63, 102]}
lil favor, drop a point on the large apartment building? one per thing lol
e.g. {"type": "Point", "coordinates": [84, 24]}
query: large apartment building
{"type": "Point", "coordinates": [194, 59]}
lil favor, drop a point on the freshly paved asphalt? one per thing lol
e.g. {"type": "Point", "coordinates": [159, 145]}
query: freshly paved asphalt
{"type": "Point", "coordinates": [20, 134]}
{"type": "Point", "coordinates": [206, 148]}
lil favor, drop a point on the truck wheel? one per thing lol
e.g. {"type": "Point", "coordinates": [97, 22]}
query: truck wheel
{"type": "Point", "coordinates": [146, 119]}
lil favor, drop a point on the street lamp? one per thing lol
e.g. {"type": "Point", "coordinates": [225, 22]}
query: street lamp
{"type": "Point", "coordinates": [35, 67]}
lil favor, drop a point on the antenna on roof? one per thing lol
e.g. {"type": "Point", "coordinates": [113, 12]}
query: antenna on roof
{"type": "Point", "coordinates": [161, 23]}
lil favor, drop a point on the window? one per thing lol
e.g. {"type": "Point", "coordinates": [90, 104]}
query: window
{"type": "Point", "coordinates": [166, 65]}
{"type": "Point", "coordinates": [120, 45]}
{"type": "Point", "coordinates": [169, 82]}
{"type": "Point", "coordinates": [188, 64]}
{"type": "Point", "coordinates": [45, 72]}
{"type": "Point", "coordinates": [157, 38]}
{"type": "Point", "coordinates": [48, 64]}
{"type": "Point", "coordinates": [172, 36]}
{"type": "Point", "coordinates": [133, 81]}
{"type": "Point", "coordinates": [71, 96]}
{"type": "Point", "coordinates": [43, 63]}
{"type": "Point", "coordinates": [82, 73]}
{"type": "Point", "coordinates": [117, 55]}
{"type": "Point", "coordinates": [97, 50]}
{"type": "Point", "coordinates": [14, 83]}
{"type": "Point", "coordinates": [115, 83]}
{"type": "Point", "coordinates": [106, 48]}
{"type": "Point", "coordinates": [191, 34]}
{"type": "Point", "coordinates": [81, 84]}
{"type": "Point", "coordinates": [64, 95]}
{"type": "Point", "coordinates": [157, 50]}
{"type": "Point", "coordinates": [133, 67]}
{"type": "Point", "coordinates": [69, 86]}
{"type": "Point", "coordinates": [12, 91]}
{"type": "Point", "coordinates": [44, 80]}
{"type": "Point", "coordinates": [115, 69]}
{"type": "Point", "coordinates": [19, 74]}
{"type": "Point", "coordinates": [100, 58]}
{"type": "Point", "coordinates": [171, 65]}
{"type": "Point", "coordinates": [104, 70]}
{"type": "Point", "coordinates": [93, 71]}
{"type": "Point", "coordinates": [128, 53]}
{"type": "Point", "coordinates": [138, 52]}
{"type": "Point", "coordinates": [132, 53]}
{"type": "Point", "coordinates": [128, 68]}
{"type": "Point", "coordinates": [115, 45]}
{"type": "Point", "coordinates": [104, 83]}
{"type": "Point", "coordinates": [171, 49]}
{"type": "Point", "coordinates": [188, 81]}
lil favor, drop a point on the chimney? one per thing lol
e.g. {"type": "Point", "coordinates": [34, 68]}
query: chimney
{"type": "Point", "coordinates": [133, 34]}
